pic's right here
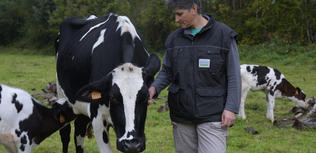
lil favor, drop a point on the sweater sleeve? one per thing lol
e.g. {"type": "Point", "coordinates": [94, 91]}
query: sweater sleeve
{"type": "Point", "coordinates": [233, 79]}
{"type": "Point", "coordinates": [164, 77]}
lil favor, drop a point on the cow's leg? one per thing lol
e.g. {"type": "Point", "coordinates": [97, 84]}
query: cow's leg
{"type": "Point", "coordinates": [81, 124]}
{"type": "Point", "coordinates": [100, 127]}
{"type": "Point", "coordinates": [244, 93]}
{"type": "Point", "coordinates": [26, 149]}
{"type": "Point", "coordinates": [101, 135]}
{"type": "Point", "coordinates": [64, 134]}
{"type": "Point", "coordinates": [270, 107]}
{"type": "Point", "coordinates": [23, 145]}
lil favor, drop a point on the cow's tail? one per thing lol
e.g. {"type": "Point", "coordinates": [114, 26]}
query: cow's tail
{"type": "Point", "coordinates": [57, 42]}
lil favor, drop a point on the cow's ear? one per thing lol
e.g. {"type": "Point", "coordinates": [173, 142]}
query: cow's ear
{"type": "Point", "coordinates": [297, 91]}
{"type": "Point", "coordinates": [151, 68]}
{"type": "Point", "coordinates": [94, 91]}
{"type": "Point", "coordinates": [62, 118]}
{"type": "Point", "coordinates": [152, 65]}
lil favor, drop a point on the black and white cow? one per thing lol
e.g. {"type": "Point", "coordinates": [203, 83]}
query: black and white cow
{"type": "Point", "coordinates": [25, 123]}
{"type": "Point", "coordinates": [104, 72]}
{"type": "Point", "coordinates": [272, 82]}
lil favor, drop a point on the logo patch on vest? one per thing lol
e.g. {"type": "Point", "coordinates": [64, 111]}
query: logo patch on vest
{"type": "Point", "coordinates": [204, 63]}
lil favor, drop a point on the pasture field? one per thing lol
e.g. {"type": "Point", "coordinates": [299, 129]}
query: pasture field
{"type": "Point", "coordinates": [30, 71]}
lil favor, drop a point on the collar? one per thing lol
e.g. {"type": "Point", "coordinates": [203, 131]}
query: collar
{"type": "Point", "coordinates": [209, 25]}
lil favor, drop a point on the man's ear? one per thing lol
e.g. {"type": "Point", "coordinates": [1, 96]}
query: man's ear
{"type": "Point", "coordinates": [151, 68]}
{"type": "Point", "coordinates": [194, 7]}
{"type": "Point", "coordinates": [93, 91]}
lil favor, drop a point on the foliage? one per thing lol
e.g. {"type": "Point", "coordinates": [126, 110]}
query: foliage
{"type": "Point", "coordinates": [78, 8]}
{"type": "Point", "coordinates": [36, 26]}
{"type": "Point", "coordinates": [11, 19]}
{"type": "Point", "coordinates": [35, 23]}
{"type": "Point", "coordinates": [156, 24]}
{"type": "Point", "coordinates": [259, 21]}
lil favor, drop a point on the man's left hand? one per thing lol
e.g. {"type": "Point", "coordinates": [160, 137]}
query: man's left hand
{"type": "Point", "coordinates": [228, 118]}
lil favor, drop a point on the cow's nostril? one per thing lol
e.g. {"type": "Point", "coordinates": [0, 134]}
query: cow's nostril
{"type": "Point", "coordinates": [132, 146]}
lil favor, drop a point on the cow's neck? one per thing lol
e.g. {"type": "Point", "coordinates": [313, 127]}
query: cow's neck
{"type": "Point", "coordinates": [286, 88]}
{"type": "Point", "coordinates": [50, 125]}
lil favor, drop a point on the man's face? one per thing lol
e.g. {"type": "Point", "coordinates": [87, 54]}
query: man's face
{"type": "Point", "coordinates": [184, 17]}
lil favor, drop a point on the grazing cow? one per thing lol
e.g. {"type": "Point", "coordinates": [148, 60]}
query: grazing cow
{"type": "Point", "coordinates": [104, 71]}
{"type": "Point", "coordinates": [24, 123]}
{"type": "Point", "coordinates": [272, 82]}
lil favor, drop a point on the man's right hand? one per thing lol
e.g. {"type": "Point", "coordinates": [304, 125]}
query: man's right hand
{"type": "Point", "coordinates": [152, 92]}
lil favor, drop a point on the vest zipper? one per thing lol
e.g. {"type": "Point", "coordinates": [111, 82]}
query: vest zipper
{"type": "Point", "coordinates": [194, 80]}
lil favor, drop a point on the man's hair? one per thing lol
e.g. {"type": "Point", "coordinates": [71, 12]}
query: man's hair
{"type": "Point", "coordinates": [183, 4]}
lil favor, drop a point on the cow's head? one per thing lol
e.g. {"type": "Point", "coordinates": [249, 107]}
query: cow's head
{"type": "Point", "coordinates": [63, 112]}
{"type": "Point", "coordinates": [125, 91]}
{"type": "Point", "coordinates": [299, 97]}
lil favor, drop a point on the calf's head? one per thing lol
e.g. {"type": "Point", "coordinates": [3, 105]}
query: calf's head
{"type": "Point", "coordinates": [63, 112]}
{"type": "Point", "coordinates": [125, 92]}
{"type": "Point", "coordinates": [300, 96]}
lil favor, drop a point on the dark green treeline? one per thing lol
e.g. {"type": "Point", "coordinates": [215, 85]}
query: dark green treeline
{"type": "Point", "coordinates": [34, 23]}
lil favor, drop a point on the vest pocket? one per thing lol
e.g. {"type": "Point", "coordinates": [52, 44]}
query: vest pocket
{"type": "Point", "coordinates": [173, 97]}
{"type": "Point", "coordinates": [215, 59]}
{"type": "Point", "coordinates": [209, 101]}
{"type": "Point", "coordinates": [178, 101]}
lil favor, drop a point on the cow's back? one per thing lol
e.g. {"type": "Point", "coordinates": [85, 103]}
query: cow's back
{"type": "Point", "coordinates": [248, 79]}
{"type": "Point", "coordinates": [87, 50]}
{"type": "Point", "coordinates": [14, 102]}
{"type": "Point", "coordinates": [260, 77]}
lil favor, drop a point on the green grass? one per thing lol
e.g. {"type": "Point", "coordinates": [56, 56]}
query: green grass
{"type": "Point", "coordinates": [28, 70]}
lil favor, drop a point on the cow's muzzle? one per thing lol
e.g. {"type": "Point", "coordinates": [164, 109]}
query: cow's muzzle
{"type": "Point", "coordinates": [131, 146]}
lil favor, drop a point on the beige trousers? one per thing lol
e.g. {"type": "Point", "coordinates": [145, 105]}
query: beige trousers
{"type": "Point", "coordinates": [207, 137]}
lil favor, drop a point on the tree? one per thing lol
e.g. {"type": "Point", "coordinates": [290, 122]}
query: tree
{"type": "Point", "coordinates": [11, 21]}
{"type": "Point", "coordinates": [36, 23]}
{"type": "Point", "coordinates": [156, 23]}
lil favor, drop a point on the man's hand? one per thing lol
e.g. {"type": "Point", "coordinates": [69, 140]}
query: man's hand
{"type": "Point", "coordinates": [228, 118]}
{"type": "Point", "coordinates": [152, 92]}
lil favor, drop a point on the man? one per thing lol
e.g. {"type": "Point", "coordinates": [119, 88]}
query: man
{"type": "Point", "coordinates": [202, 67]}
